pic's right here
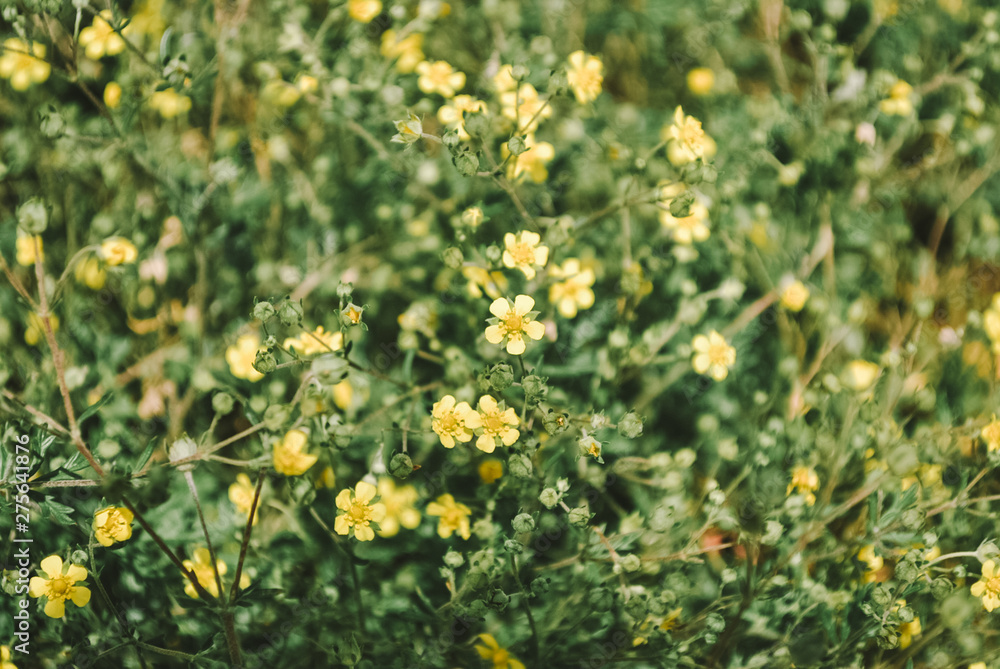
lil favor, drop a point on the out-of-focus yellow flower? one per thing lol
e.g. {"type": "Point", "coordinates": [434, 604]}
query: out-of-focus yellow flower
{"type": "Point", "coordinates": [454, 516]}
{"type": "Point", "coordinates": [170, 103]}
{"type": "Point", "coordinates": [113, 95]}
{"type": "Point", "coordinates": [35, 331]}
{"type": "Point", "coordinates": [241, 357]}
{"type": "Point", "coordinates": [873, 563]}
{"type": "Point", "coordinates": [953, 7]}
{"type": "Point", "coordinates": [364, 11]}
{"type": "Point", "coordinates": [988, 586]}
{"type": "Point", "coordinates": [712, 355]}
{"type": "Point", "coordinates": [574, 291]}
{"type": "Point", "coordinates": [407, 51]}
{"type": "Point", "coordinates": [288, 456]}
{"type": "Point", "coordinates": [100, 39]}
{"type": "Point", "coordinates": [700, 80]}
{"type": "Point", "coordinates": [452, 114]}
{"type": "Point", "coordinates": [687, 135]}
{"type": "Point", "coordinates": [318, 341]}
{"type": "Point", "coordinates": [524, 251]}
{"type": "Point", "coordinates": [23, 63]}
{"type": "Point", "coordinates": [525, 107]}
{"type": "Point", "coordinates": [794, 296]}
{"type": "Point", "coordinates": [451, 421]}
{"type": "Point", "coordinates": [280, 92]}
{"type": "Point", "coordinates": [494, 423]}
{"type": "Point", "coordinates": [512, 322]}
{"type": "Point", "coordinates": [885, 9]}
{"type": "Point", "coordinates": [59, 586]}
{"type": "Point", "coordinates": [241, 495]}
{"type": "Point", "coordinates": [533, 162]}
{"type": "Point", "coordinates": [306, 83]}
{"type": "Point", "coordinates": [907, 631]}
{"type": "Point", "coordinates": [860, 375]}
{"type": "Point", "coordinates": [688, 229]}
{"type": "Point", "coordinates": [399, 507]}
{"type": "Point", "coordinates": [490, 650]}
{"type": "Point", "coordinates": [111, 524]}
{"type": "Point", "coordinates": [5, 662]}
{"type": "Point", "coordinates": [91, 273]}
{"type": "Point", "coordinates": [585, 75]}
{"type": "Point", "coordinates": [503, 80]}
{"type": "Point", "coordinates": [118, 251]}
{"type": "Point", "coordinates": [494, 284]}
{"type": "Point", "coordinates": [147, 21]}
{"type": "Point", "coordinates": [358, 511]}
{"type": "Point", "coordinates": [201, 565]}
{"type": "Point", "coordinates": [26, 250]}
{"type": "Point", "coordinates": [490, 470]}
{"type": "Point", "coordinates": [439, 77]}
{"type": "Point", "coordinates": [991, 434]}
{"type": "Point", "coordinates": [899, 102]}
{"type": "Point", "coordinates": [805, 482]}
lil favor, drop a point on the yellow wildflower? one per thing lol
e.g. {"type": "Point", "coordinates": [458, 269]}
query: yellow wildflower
{"type": "Point", "coordinates": [147, 21]}
{"type": "Point", "coordinates": [90, 273]}
{"type": "Point", "coordinates": [23, 63]}
{"type": "Point", "coordinates": [364, 11]}
{"type": "Point", "coordinates": [860, 375]}
{"type": "Point", "coordinates": [494, 424]}
{"type": "Point", "coordinates": [5, 662]}
{"type": "Point", "coordinates": [794, 296]}
{"type": "Point", "coordinates": [100, 39]}
{"type": "Point", "coordinates": [450, 421]}
{"type": "Point", "coordinates": [525, 107]}
{"type": "Point", "coordinates": [574, 291]}
{"type": "Point", "coordinates": [687, 135]}
{"type": "Point", "coordinates": [713, 355]}
{"type": "Point", "coordinates": [306, 83]}
{"type": "Point", "coordinates": [26, 250]}
{"type": "Point", "coordinates": [490, 470]}
{"type": "Point", "coordinates": [35, 331]}
{"type": "Point", "coordinates": [585, 75]}
{"type": "Point", "coordinates": [170, 103]}
{"type": "Point", "coordinates": [898, 103]}
{"type": "Point", "coordinates": [439, 77]}
{"type": "Point", "coordinates": [523, 251]}
{"type": "Point", "coordinates": [491, 650]}
{"type": "Point", "coordinates": [454, 516]}
{"type": "Point", "coordinates": [59, 586]}
{"type": "Point", "coordinates": [407, 51]}
{"type": "Point", "coordinates": [907, 630]}
{"type": "Point", "coordinates": [203, 572]}
{"type": "Point", "coordinates": [533, 162]}
{"type": "Point", "coordinates": [359, 513]}
{"type": "Point", "coordinates": [688, 229]}
{"type": "Point", "coordinates": [113, 95]}
{"type": "Point", "coordinates": [241, 357]}
{"type": "Point", "coordinates": [288, 456]}
{"type": "Point", "coordinates": [452, 114]}
{"type": "Point", "coordinates": [315, 342]}
{"type": "Point", "coordinates": [280, 93]}
{"type": "Point", "coordinates": [977, 665]}
{"type": "Point", "coordinates": [494, 284]}
{"type": "Point", "coordinates": [700, 80]}
{"type": "Point", "coordinates": [118, 251]}
{"type": "Point", "coordinates": [988, 586]}
{"type": "Point", "coordinates": [873, 563]}
{"type": "Point", "coordinates": [991, 434]}
{"type": "Point", "coordinates": [399, 509]}
{"type": "Point", "coordinates": [112, 524]}
{"type": "Point", "coordinates": [503, 80]}
{"type": "Point", "coordinates": [512, 322]}
{"type": "Point", "coordinates": [805, 482]}
{"type": "Point", "coordinates": [241, 495]}
{"type": "Point", "coordinates": [472, 217]}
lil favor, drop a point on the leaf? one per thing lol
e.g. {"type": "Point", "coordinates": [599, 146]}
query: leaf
{"type": "Point", "coordinates": [95, 407]}
{"type": "Point", "coordinates": [60, 513]}
{"type": "Point", "coordinates": [145, 455]}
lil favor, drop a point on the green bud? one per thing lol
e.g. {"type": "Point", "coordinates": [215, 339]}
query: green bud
{"type": "Point", "coordinates": [401, 465]}
{"type": "Point", "coordinates": [600, 599]}
{"type": "Point", "coordinates": [451, 139]}
{"type": "Point", "coordinates": [454, 559]}
{"type": "Point", "coordinates": [907, 572]}
{"type": "Point", "coordinates": [940, 588]}
{"type": "Point", "coordinates": [715, 623]}
{"type": "Point", "coordinates": [408, 130]}
{"type": "Point", "coordinates": [555, 422]}
{"type": "Point", "coordinates": [270, 342]}
{"type": "Point", "coordinates": [78, 557]}
{"type": "Point", "coordinates": [535, 389]}
{"type": "Point", "coordinates": [912, 519]}
{"type": "Point", "coordinates": [987, 551]}
{"type": "Point", "coordinates": [53, 124]}
{"type": "Point", "coordinates": [512, 546]}
{"type": "Point", "coordinates": [498, 600]}
{"type": "Point", "coordinates": [549, 497]}
{"type": "Point", "coordinates": [466, 162]}
{"type": "Point", "coordinates": [452, 257]}
{"type": "Point", "coordinates": [520, 466]}
{"type": "Point", "coordinates": [519, 72]}
{"type": "Point", "coordinates": [290, 313]}
{"type": "Point", "coordinates": [265, 362]}
{"type": "Point", "coordinates": [905, 614]}
{"type": "Point", "coordinates": [32, 217]}
{"type": "Point", "coordinates": [329, 369]}
{"type": "Point", "coordinates": [344, 291]}
{"type": "Point", "coordinates": [630, 425]}
{"type": "Point", "coordinates": [517, 145]}
{"type": "Point", "coordinates": [477, 124]}
{"type": "Point", "coordinates": [882, 596]}
{"type": "Point", "coordinates": [263, 311]}
{"type": "Point", "coordinates": [493, 254]}
{"type": "Point", "coordinates": [222, 403]}
{"type": "Point", "coordinates": [182, 449]}
{"type": "Point", "coordinates": [631, 563]}
{"type": "Point", "coordinates": [680, 206]}
{"type": "Point", "coordinates": [887, 640]}
{"type": "Point", "coordinates": [501, 376]}
{"type": "Point", "coordinates": [523, 522]}
{"type": "Point", "coordinates": [580, 516]}
{"type": "Point", "coordinates": [276, 417]}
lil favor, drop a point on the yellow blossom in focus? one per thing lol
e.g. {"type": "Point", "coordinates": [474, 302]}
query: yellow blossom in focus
{"type": "Point", "coordinates": [450, 421]}
{"type": "Point", "coordinates": [898, 103]}
{"type": "Point", "coordinates": [241, 495]}
{"type": "Point", "coordinates": [5, 662]}
{"type": "Point", "coordinates": [523, 251]}
{"type": "Point", "coordinates": [113, 95]}
{"type": "Point", "coordinates": [439, 77]}
{"type": "Point", "coordinates": [317, 341]}
{"type": "Point", "coordinates": [23, 63]}
{"type": "Point", "coordinates": [358, 511]}
{"type": "Point", "coordinates": [687, 135]}
{"type": "Point", "coordinates": [585, 75]}
{"type": "Point", "coordinates": [100, 39]}
{"type": "Point", "coordinates": [860, 375]}
{"type": "Point", "coordinates": [117, 251]}
{"type": "Point", "coordinates": [804, 482]}
{"type": "Point", "coordinates": [452, 113]}
{"type": "Point", "coordinates": [241, 357]}
{"type": "Point", "coordinates": [494, 284]}
{"type": "Point", "coordinates": [490, 470]}
{"type": "Point", "coordinates": [712, 355]}
{"type": "Point", "coordinates": [454, 516]}
{"type": "Point", "coordinates": [25, 247]}
{"type": "Point", "coordinates": [111, 524]}
{"type": "Point", "coordinates": [987, 587]}
{"type": "Point", "coordinates": [525, 107]}
{"type": "Point", "coordinates": [512, 322]}
{"type": "Point", "coordinates": [59, 586]}
{"type": "Point", "coordinates": [700, 80]}
{"type": "Point", "coordinates": [574, 291]}
{"type": "Point", "coordinates": [364, 11]}
{"type": "Point", "coordinates": [169, 103]}
{"type": "Point", "coordinates": [408, 52]}
{"type": "Point", "coordinates": [533, 162]}
{"type": "Point", "coordinates": [794, 296]}
{"type": "Point", "coordinates": [491, 651]}
{"type": "Point", "coordinates": [399, 507]}
{"type": "Point", "coordinates": [288, 456]}
{"type": "Point", "coordinates": [494, 423]}
{"type": "Point", "coordinates": [874, 563]}
{"type": "Point", "coordinates": [35, 331]}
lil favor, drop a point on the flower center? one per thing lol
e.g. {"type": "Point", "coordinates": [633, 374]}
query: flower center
{"type": "Point", "coordinates": [993, 585]}
{"type": "Point", "coordinates": [59, 586]}
{"type": "Point", "coordinates": [691, 132]}
{"type": "Point", "coordinates": [718, 354]}
{"type": "Point", "coordinates": [513, 322]}
{"type": "Point", "coordinates": [359, 514]}
{"type": "Point", "coordinates": [493, 423]}
{"type": "Point", "coordinates": [524, 254]}
{"type": "Point", "coordinates": [448, 424]}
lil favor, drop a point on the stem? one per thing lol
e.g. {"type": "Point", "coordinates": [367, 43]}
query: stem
{"type": "Point", "coordinates": [246, 534]}
{"type": "Point", "coordinates": [527, 607]}
{"type": "Point", "coordinates": [208, 539]}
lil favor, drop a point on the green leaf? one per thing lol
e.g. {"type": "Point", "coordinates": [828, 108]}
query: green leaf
{"type": "Point", "coordinates": [95, 407]}
{"type": "Point", "coordinates": [60, 513]}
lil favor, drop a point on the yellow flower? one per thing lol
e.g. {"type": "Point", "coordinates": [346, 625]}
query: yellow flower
{"type": "Point", "coordinates": [494, 284]}
{"type": "Point", "coordinates": [364, 10]}
{"type": "Point", "coordinates": [5, 662]}
{"type": "Point", "coordinates": [794, 296]}
{"type": "Point", "coordinates": [113, 95]}
{"type": "Point", "coordinates": [700, 80]}
{"type": "Point", "coordinates": [524, 250]}
{"type": "Point", "coordinates": [977, 665]}
{"type": "Point", "coordinates": [288, 456]}
{"type": "Point", "coordinates": [23, 63]}
{"type": "Point", "coordinates": [100, 39]}
{"type": "Point", "coordinates": [987, 587]}
{"type": "Point", "coordinates": [907, 630]}
{"type": "Point", "coordinates": [490, 470]}
{"type": "Point", "coordinates": [494, 424]}
{"type": "Point", "coordinates": [118, 251]}
{"type": "Point", "coordinates": [688, 137]}
{"type": "Point", "coordinates": [241, 494]}
{"type": "Point", "coordinates": [407, 51]}
{"type": "Point", "coordinates": [147, 20]}
{"type": "Point", "coordinates": [585, 75]}
{"type": "Point", "coordinates": [452, 114]}
{"type": "Point", "coordinates": [874, 563]}
{"type": "Point", "coordinates": [315, 342]}
{"type": "Point", "coordinates": [203, 572]}
{"type": "Point", "coordinates": [439, 77]}
{"type": "Point", "coordinates": [713, 355]}
{"type": "Point", "coordinates": [859, 375]}
{"type": "Point", "coordinates": [359, 513]}
{"type": "Point", "coordinates": [170, 103]}
{"type": "Point", "coordinates": [35, 331]}
{"type": "Point", "coordinates": [351, 314]}
{"type": "Point", "coordinates": [805, 482]}
{"type": "Point", "coordinates": [90, 273]}
{"type": "Point", "coordinates": [512, 322]}
{"type": "Point", "coordinates": [491, 650]}
{"type": "Point", "coordinates": [399, 509]}
{"type": "Point", "coordinates": [533, 162]}
{"type": "Point", "coordinates": [503, 80]}
{"type": "Point", "coordinates": [26, 250]}
{"type": "Point", "coordinates": [454, 516]}
{"type": "Point", "coordinates": [112, 524]}
{"type": "Point", "coordinates": [525, 107]}
{"type": "Point", "coordinates": [898, 103]}
{"type": "Point", "coordinates": [280, 93]}
{"type": "Point", "coordinates": [991, 434]}
{"type": "Point", "coordinates": [574, 291]}
{"type": "Point", "coordinates": [450, 421]}
{"type": "Point", "coordinates": [241, 357]}
{"type": "Point", "coordinates": [689, 229]}
{"type": "Point", "coordinates": [59, 586]}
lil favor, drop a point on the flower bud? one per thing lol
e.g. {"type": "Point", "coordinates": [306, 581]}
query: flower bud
{"type": "Point", "coordinates": [523, 522]}
{"type": "Point", "coordinates": [452, 257]}
{"type": "Point", "coordinates": [408, 130]}
{"type": "Point", "coordinates": [535, 389]}
{"type": "Point", "coordinates": [401, 465]}
{"type": "Point", "coordinates": [182, 449]}
{"type": "Point", "coordinates": [472, 217]}
{"type": "Point", "coordinates": [222, 403]}
{"type": "Point", "coordinates": [630, 425]}
{"type": "Point", "coordinates": [351, 315]}
{"type": "Point", "coordinates": [454, 559]}
{"type": "Point", "coordinates": [290, 313]}
{"type": "Point", "coordinates": [493, 254]}
{"type": "Point", "coordinates": [501, 376]}
{"type": "Point", "coordinates": [580, 516]}
{"type": "Point", "coordinates": [263, 311]}
{"type": "Point", "coordinates": [555, 422]}
{"type": "Point", "coordinates": [498, 600]}
{"type": "Point", "coordinates": [276, 416]}
{"type": "Point", "coordinates": [520, 466]}
{"type": "Point", "coordinates": [549, 497]}
{"type": "Point", "coordinates": [78, 557]}
{"type": "Point", "coordinates": [265, 362]}
{"type": "Point", "coordinates": [631, 563]}
{"type": "Point", "coordinates": [477, 124]}
{"type": "Point", "coordinates": [32, 217]}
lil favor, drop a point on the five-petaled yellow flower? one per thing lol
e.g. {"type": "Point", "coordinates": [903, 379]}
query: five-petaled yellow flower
{"type": "Point", "coordinates": [25, 246]}
{"type": "Point", "coordinates": [860, 375]}
{"type": "Point", "coordinates": [111, 524]}
{"type": "Point", "coordinates": [317, 341]}
{"type": "Point", "coordinates": [713, 355]}
{"type": "Point", "coordinates": [525, 107]}
{"type": "Point", "coordinates": [439, 77]}
{"type": "Point", "coordinates": [23, 63]}
{"type": "Point", "coordinates": [118, 251]}
{"type": "Point", "coordinates": [358, 512]}
{"type": "Point", "coordinates": [59, 586]}
{"type": "Point", "coordinates": [452, 114]}
{"type": "Point", "coordinates": [574, 291]}
{"type": "Point", "coordinates": [408, 51]}
{"type": "Point", "coordinates": [100, 39]}
{"type": "Point", "coordinates": [241, 494]}
{"type": "Point", "coordinates": [585, 75]}
{"type": "Point", "coordinates": [533, 162]}
{"type": "Point", "coordinates": [687, 135]}
{"type": "Point", "coordinates": [512, 322]}
{"type": "Point", "coordinates": [288, 456]}
{"type": "Point", "coordinates": [454, 516]}
{"type": "Point", "coordinates": [399, 507]}
{"type": "Point", "coordinates": [491, 650]}
{"type": "Point", "coordinates": [805, 482]}
{"type": "Point", "coordinates": [524, 251]}
{"type": "Point", "coordinates": [451, 421]}
{"type": "Point", "coordinates": [241, 357]}
{"type": "Point", "coordinates": [494, 423]}
{"type": "Point", "coordinates": [364, 11]}
{"type": "Point", "coordinates": [988, 586]}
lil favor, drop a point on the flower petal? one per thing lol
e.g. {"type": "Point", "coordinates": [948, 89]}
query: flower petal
{"type": "Point", "coordinates": [364, 492]}
{"type": "Point", "coordinates": [344, 499]}
{"type": "Point", "coordinates": [76, 573]}
{"type": "Point", "coordinates": [341, 526]}
{"type": "Point", "coordinates": [500, 307]}
{"type": "Point", "coordinates": [515, 345]}
{"type": "Point", "coordinates": [487, 404]}
{"type": "Point", "coordinates": [523, 304]}
{"type": "Point", "coordinates": [536, 330]}
{"type": "Point", "coordinates": [52, 565]}
{"type": "Point", "coordinates": [486, 444]}
{"type": "Point", "coordinates": [55, 608]}
{"type": "Point", "coordinates": [494, 334]}
{"type": "Point", "coordinates": [80, 595]}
